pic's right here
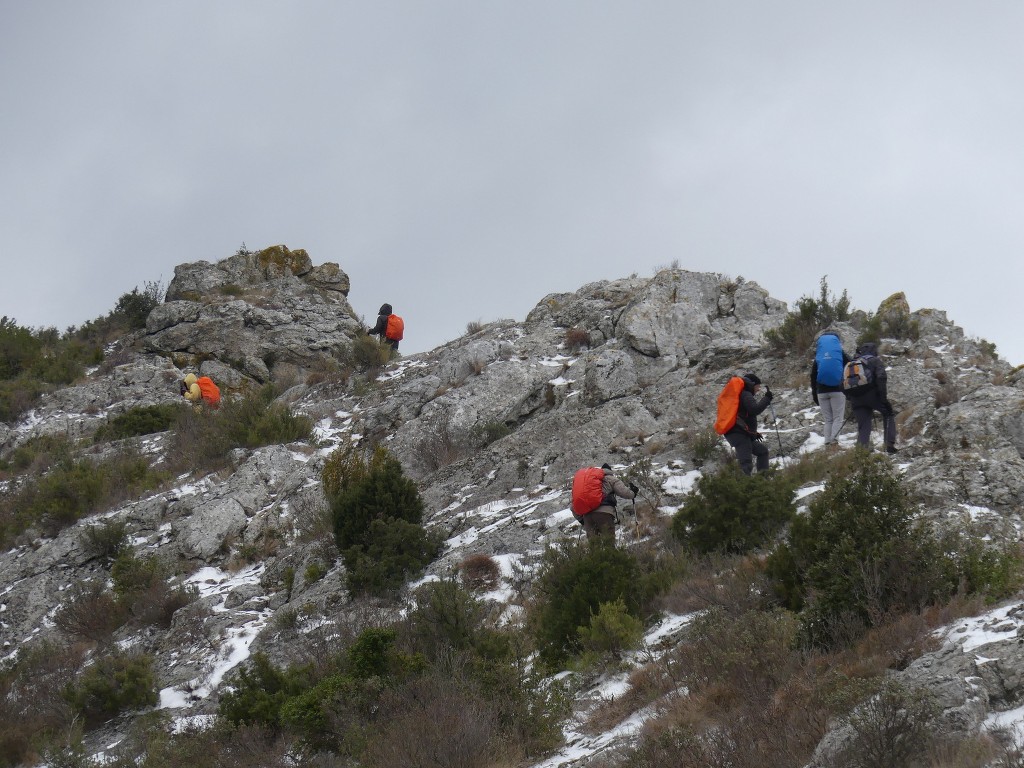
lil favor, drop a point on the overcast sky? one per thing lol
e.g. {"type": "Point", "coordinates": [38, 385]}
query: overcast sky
{"type": "Point", "coordinates": [461, 160]}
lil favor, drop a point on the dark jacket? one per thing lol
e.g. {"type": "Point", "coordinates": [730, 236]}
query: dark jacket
{"type": "Point", "coordinates": [381, 328]}
{"type": "Point", "coordinates": [877, 397]}
{"type": "Point", "coordinates": [750, 406]}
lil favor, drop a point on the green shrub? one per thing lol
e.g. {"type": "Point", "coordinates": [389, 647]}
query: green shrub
{"type": "Point", "coordinates": [859, 556]}
{"type": "Point", "coordinates": [314, 572]}
{"type": "Point", "coordinates": [891, 326]}
{"type": "Point", "coordinates": [731, 512]}
{"type": "Point", "coordinates": [141, 589]}
{"type": "Point", "coordinates": [573, 583]}
{"type": "Point", "coordinates": [72, 489]}
{"type": "Point", "coordinates": [134, 307]}
{"type": "Point", "coordinates": [259, 690]}
{"type": "Point", "coordinates": [812, 315]}
{"type": "Point", "coordinates": [19, 348]}
{"type": "Point", "coordinates": [376, 513]}
{"type": "Point", "coordinates": [105, 540]}
{"type": "Point", "coordinates": [113, 684]}
{"type": "Point", "coordinates": [37, 454]}
{"type": "Point", "coordinates": [610, 631]}
{"type": "Point", "coordinates": [142, 420]}
{"type": "Point", "coordinates": [488, 432]}
{"type": "Point", "coordinates": [370, 354]}
{"type": "Point", "coordinates": [203, 438]}
{"type": "Point", "coordinates": [394, 552]}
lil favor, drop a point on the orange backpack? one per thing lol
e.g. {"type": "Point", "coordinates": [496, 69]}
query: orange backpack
{"type": "Point", "coordinates": [396, 328]}
{"type": "Point", "coordinates": [209, 391]}
{"type": "Point", "coordinates": [587, 490]}
{"type": "Point", "coordinates": [729, 405]}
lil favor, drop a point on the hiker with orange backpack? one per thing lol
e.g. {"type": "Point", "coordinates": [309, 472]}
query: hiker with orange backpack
{"type": "Point", "coordinates": [200, 391]}
{"type": "Point", "coordinates": [390, 327]}
{"type": "Point", "coordinates": [594, 494]}
{"type": "Point", "coordinates": [738, 408]}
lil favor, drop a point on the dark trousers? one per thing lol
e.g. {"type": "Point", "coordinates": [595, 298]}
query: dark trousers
{"type": "Point", "coordinates": [746, 448]}
{"type": "Point", "coordinates": [600, 524]}
{"type": "Point", "coordinates": [864, 418]}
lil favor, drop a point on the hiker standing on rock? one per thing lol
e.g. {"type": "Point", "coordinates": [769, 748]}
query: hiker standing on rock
{"type": "Point", "coordinates": [739, 398]}
{"type": "Point", "coordinates": [390, 327]}
{"type": "Point", "coordinates": [827, 383]}
{"type": "Point", "coordinates": [873, 398]}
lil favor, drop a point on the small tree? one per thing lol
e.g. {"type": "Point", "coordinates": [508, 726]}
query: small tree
{"type": "Point", "coordinates": [376, 512]}
{"type": "Point", "coordinates": [731, 512]}
{"type": "Point", "coordinates": [811, 316]}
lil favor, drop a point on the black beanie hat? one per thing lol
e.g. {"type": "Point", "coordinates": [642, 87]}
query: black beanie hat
{"type": "Point", "coordinates": [752, 378]}
{"type": "Point", "coordinates": [606, 467]}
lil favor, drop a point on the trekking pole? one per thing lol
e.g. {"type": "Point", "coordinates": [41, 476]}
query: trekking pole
{"type": "Point", "coordinates": [776, 420]}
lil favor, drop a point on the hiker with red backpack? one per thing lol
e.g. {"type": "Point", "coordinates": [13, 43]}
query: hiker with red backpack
{"type": "Point", "coordinates": [865, 383]}
{"type": "Point", "coordinates": [200, 391]}
{"type": "Point", "coordinates": [390, 327]}
{"type": "Point", "coordinates": [738, 408]}
{"type": "Point", "coordinates": [594, 494]}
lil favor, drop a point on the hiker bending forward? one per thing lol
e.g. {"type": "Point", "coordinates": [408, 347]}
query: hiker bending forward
{"type": "Point", "coordinates": [744, 437]}
{"type": "Point", "coordinates": [601, 522]}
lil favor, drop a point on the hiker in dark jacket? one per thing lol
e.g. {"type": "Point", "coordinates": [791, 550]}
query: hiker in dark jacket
{"type": "Point", "coordinates": [874, 399]}
{"type": "Point", "coordinates": [601, 522]}
{"type": "Point", "coordinates": [830, 400]}
{"type": "Point", "coordinates": [744, 437]}
{"type": "Point", "coordinates": [381, 328]}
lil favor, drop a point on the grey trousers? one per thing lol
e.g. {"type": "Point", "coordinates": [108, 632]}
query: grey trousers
{"type": "Point", "coordinates": [746, 448]}
{"type": "Point", "coordinates": [833, 406]}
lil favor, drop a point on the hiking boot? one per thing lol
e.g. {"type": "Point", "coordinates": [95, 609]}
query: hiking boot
{"type": "Point", "coordinates": [891, 449]}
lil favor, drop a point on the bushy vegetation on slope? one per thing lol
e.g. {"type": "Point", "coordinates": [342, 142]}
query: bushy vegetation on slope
{"type": "Point", "coordinates": [33, 361]}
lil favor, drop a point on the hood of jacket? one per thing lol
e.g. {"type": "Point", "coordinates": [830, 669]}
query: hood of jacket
{"type": "Point", "coordinates": [385, 309]}
{"type": "Point", "coordinates": [867, 348]}
{"type": "Point", "coordinates": [190, 380]}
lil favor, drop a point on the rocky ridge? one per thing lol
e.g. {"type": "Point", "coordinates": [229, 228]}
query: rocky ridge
{"type": "Point", "coordinates": [491, 426]}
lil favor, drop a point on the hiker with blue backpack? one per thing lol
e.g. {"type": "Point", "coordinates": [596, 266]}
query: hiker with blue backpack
{"type": "Point", "coordinates": [827, 383]}
{"type": "Point", "coordinates": [866, 386]}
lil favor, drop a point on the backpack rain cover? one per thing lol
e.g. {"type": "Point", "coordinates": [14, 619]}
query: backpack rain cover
{"type": "Point", "coordinates": [829, 357]}
{"type": "Point", "coordinates": [395, 329]}
{"type": "Point", "coordinates": [587, 490]}
{"type": "Point", "coordinates": [729, 405]}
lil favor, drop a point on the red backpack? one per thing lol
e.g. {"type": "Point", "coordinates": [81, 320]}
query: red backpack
{"type": "Point", "coordinates": [396, 328]}
{"type": "Point", "coordinates": [729, 405]}
{"type": "Point", "coordinates": [209, 391]}
{"type": "Point", "coordinates": [587, 490]}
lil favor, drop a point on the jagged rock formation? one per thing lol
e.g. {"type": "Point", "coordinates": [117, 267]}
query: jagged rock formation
{"type": "Point", "coordinates": [267, 316]}
{"type": "Point", "coordinates": [491, 426]}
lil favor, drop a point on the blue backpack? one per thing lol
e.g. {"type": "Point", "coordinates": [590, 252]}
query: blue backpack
{"type": "Point", "coordinates": [829, 357]}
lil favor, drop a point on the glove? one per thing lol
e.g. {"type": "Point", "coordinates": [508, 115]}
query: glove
{"type": "Point", "coordinates": [768, 396]}
{"type": "Point", "coordinates": [634, 488]}
{"type": "Point", "coordinates": [757, 436]}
